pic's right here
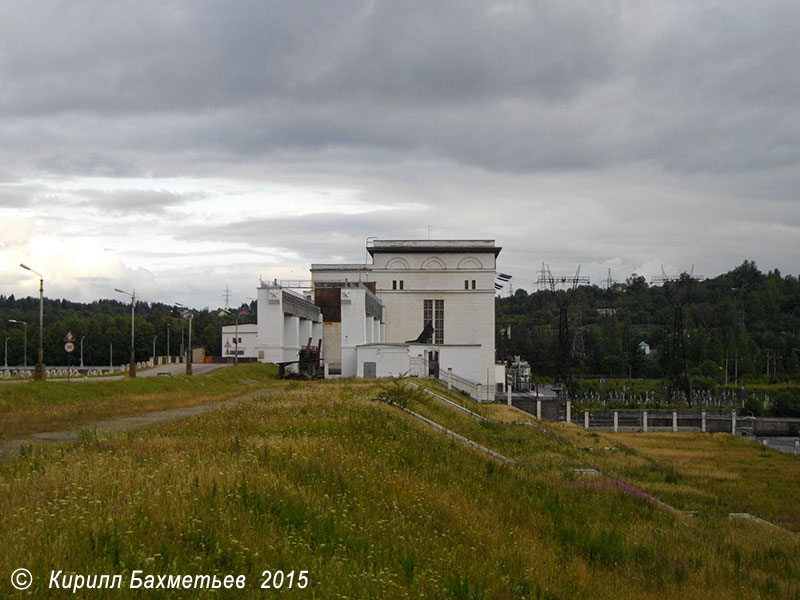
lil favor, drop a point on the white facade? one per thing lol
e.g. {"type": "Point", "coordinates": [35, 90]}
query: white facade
{"type": "Point", "coordinates": [286, 322]}
{"type": "Point", "coordinates": [396, 360]}
{"type": "Point", "coordinates": [247, 340]}
{"type": "Point", "coordinates": [449, 282]}
{"type": "Point", "coordinates": [354, 317]}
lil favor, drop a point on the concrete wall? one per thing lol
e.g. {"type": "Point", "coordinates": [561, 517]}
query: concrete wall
{"type": "Point", "coordinates": [332, 346]}
{"type": "Point", "coordinates": [248, 332]}
{"type": "Point", "coordinates": [281, 333]}
{"type": "Point", "coordinates": [465, 360]}
{"type": "Point", "coordinates": [391, 360]}
{"type": "Point", "coordinates": [776, 427]}
{"type": "Point", "coordinates": [270, 325]}
{"type": "Point", "coordinates": [354, 330]}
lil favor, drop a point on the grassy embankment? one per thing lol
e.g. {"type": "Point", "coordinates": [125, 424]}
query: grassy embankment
{"type": "Point", "coordinates": [34, 407]}
{"type": "Point", "coordinates": [375, 505]}
{"type": "Point", "coordinates": [711, 474]}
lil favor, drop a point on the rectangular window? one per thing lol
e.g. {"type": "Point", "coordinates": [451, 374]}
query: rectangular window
{"type": "Point", "coordinates": [473, 284]}
{"type": "Point", "coordinates": [433, 312]}
{"type": "Point", "coordinates": [466, 284]}
{"type": "Point", "coordinates": [401, 284]}
{"type": "Point", "coordinates": [394, 284]}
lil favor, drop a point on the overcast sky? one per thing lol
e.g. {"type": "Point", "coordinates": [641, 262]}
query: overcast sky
{"type": "Point", "coordinates": [181, 147]}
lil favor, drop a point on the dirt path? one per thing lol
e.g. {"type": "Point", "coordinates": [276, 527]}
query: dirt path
{"type": "Point", "coordinates": [11, 447]}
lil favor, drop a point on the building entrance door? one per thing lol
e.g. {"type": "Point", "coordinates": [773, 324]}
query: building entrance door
{"type": "Point", "coordinates": [433, 363]}
{"type": "Point", "coordinates": [370, 370]}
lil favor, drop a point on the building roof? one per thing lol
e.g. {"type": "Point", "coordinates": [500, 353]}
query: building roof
{"type": "Point", "coordinates": [432, 246]}
{"type": "Point", "coordinates": [340, 267]}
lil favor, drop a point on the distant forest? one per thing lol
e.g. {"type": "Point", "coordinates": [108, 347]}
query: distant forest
{"type": "Point", "coordinates": [106, 325]}
{"type": "Point", "coordinates": [742, 325]}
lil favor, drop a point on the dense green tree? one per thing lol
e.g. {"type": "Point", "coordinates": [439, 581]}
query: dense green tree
{"type": "Point", "coordinates": [734, 326]}
{"type": "Point", "coordinates": [105, 327]}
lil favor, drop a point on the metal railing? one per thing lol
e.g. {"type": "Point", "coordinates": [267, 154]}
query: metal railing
{"type": "Point", "coordinates": [421, 367]}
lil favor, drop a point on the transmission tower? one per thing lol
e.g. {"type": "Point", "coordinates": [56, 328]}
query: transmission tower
{"type": "Point", "coordinates": [578, 348]}
{"type": "Point", "coordinates": [227, 297]}
{"type": "Point", "coordinates": [677, 290]}
{"type": "Point", "coordinates": [564, 351]}
{"type": "Point", "coordinates": [609, 283]}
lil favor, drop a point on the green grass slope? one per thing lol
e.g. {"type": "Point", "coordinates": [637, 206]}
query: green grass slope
{"type": "Point", "coordinates": [319, 477]}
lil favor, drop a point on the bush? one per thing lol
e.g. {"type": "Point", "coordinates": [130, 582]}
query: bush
{"type": "Point", "coordinates": [786, 403]}
{"type": "Point", "coordinates": [396, 391]}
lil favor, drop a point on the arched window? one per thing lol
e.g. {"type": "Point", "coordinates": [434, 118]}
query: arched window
{"type": "Point", "coordinates": [470, 262]}
{"type": "Point", "coordinates": [434, 263]}
{"type": "Point", "coordinates": [397, 263]}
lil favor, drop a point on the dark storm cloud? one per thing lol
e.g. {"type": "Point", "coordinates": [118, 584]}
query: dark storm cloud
{"type": "Point", "coordinates": [519, 86]}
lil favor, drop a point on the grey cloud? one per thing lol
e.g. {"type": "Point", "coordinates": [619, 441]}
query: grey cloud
{"type": "Point", "coordinates": [130, 202]}
{"type": "Point", "coordinates": [519, 86]}
{"type": "Point", "coordinates": [16, 196]}
{"type": "Point", "coordinates": [321, 237]}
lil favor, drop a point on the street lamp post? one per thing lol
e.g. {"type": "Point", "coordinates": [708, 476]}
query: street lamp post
{"type": "Point", "coordinates": [235, 338]}
{"type": "Point", "coordinates": [169, 356]}
{"type": "Point", "coordinates": [189, 362]}
{"type": "Point", "coordinates": [38, 372]}
{"type": "Point", "coordinates": [132, 365]}
{"type": "Point", "coordinates": [154, 349]}
{"type": "Point", "coordinates": [6, 344]}
{"type": "Point", "coordinates": [83, 337]}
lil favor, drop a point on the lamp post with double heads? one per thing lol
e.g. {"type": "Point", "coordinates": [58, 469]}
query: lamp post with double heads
{"type": "Point", "coordinates": [188, 314]}
{"type": "Point", "coordinates": [132, 364]}
{"type": "Point", "coordinates": [38, 372]}
{"type": "Point", "coordinates": [24, 341]}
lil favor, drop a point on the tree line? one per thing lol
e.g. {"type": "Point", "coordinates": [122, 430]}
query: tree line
{"type": "Point", "coordinates": [741, 326]}
{"type": "Point", "coordinates": [105, 326]}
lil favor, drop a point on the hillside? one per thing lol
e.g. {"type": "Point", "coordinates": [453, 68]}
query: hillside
{"type": "Point", "coordinates": [743, 325]}
{"type": "Point", "coordinates": [372, 503]}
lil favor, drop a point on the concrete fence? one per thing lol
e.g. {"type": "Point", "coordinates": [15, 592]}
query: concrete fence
{"type": "Point", "coordinates": [664, 420]}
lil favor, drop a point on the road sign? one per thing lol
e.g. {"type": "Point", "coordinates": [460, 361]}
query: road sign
{"type": "Point", "coordinates": [69, 338]}
{"type": "Point", "coordinates": [69, 346]}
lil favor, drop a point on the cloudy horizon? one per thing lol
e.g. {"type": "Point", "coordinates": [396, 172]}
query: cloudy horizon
{"type": "Point", "coordinates": [184, 148]}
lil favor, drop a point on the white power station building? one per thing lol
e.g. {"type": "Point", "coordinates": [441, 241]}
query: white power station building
{"type": "Point", "coordinates": [421, 307]}
{"type": "Point", "coordinates": [447, 285]}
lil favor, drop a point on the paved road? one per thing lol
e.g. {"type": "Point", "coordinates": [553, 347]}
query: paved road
{"type": "Point", "coordinates": [784, 444]}
{"type": "Point", "coordinates": [180, 369]}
